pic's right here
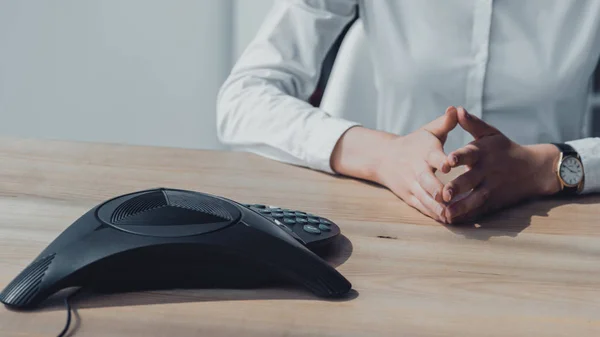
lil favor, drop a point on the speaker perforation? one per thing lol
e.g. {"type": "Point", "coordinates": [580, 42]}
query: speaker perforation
{"type": "Point", "coordinates": [198, 203]}
{"type": "Point", "coordinates": [168, 212]}
{"type": "Point", "coordinates": [137, 205]}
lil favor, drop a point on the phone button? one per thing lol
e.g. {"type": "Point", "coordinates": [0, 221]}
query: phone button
{"type": "Point", "coordinates": [311, 229]}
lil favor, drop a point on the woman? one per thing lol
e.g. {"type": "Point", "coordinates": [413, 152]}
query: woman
{"type": "Point", "coordinates": [521, 69]}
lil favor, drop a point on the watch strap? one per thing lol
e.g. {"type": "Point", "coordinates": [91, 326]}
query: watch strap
{"type": "Point", "coordinates": [567, 150]}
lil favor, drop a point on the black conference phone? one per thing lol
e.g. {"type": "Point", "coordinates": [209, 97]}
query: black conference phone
{"type": "Point", "coordinates": [167, 238]}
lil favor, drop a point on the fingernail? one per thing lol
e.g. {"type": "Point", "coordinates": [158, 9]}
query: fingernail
{"type": "Point", "coordinates": [435, 194]}
{"type": "Point", "coordinates": [450, 193]}
{"type": "Point", "coordinates": [454, 159]}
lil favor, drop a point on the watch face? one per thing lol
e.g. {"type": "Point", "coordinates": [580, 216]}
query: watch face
{"type": "Point", "coordinates": [571, 171]}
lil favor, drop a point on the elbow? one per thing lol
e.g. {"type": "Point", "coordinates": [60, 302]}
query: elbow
{"type": "Point", "coordinates": [225, 116]}
{"type": "Point", "coordinates": [234, 120]}
{"type": "Point", "coordinates": [241, 102]}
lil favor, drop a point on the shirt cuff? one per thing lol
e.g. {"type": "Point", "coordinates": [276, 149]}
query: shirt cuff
{"type": "Point", "coordinates": [322, 140]}
{"type": "Point", "coordinates": [589, 151]}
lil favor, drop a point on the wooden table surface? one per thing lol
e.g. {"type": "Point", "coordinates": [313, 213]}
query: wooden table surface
{"type": "Point", "coordinates": [533, 270]}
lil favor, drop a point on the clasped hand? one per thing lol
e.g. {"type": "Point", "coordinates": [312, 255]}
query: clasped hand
{"type": "Point", "coordinates": [498, 172]}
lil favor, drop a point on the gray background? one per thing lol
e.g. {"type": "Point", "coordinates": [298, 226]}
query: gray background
{"type": "Point", "coordinates": [125, 71]}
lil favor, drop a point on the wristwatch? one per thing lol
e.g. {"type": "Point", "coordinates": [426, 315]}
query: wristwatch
{"type": "Point", "coordinates": [569, 170]}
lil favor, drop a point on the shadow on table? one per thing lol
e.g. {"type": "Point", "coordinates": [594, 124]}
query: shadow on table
{"type": "Point", "coordinates": [512, 221]}
{"type": "Point", "coordinates": [335, 254]}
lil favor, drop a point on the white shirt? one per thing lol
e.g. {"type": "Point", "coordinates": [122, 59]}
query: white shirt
{"type": "Point", "coordinates": [522, 66]}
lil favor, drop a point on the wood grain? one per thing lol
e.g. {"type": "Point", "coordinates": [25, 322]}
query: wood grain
{"type": "Point", "coordinates": [533, 270]}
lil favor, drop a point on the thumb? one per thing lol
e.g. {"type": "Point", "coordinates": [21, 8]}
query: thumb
{"type": "Point", "coordinates": [441, 126]}
{"type": "Point", "coordinates": [475, 126]}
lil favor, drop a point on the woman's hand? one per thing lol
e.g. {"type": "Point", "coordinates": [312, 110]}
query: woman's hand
{"type": "Point", "coordinates": [406, 165]}
{"type": "Point", "coordinates": [499, 172]}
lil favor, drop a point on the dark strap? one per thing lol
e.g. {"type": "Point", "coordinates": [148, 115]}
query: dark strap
{"type": "Point", "coordinates": [566, 149]}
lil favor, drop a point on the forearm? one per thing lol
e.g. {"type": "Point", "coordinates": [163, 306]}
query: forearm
{"type": "Point", "coordinates": [543, 161]}
{"type": "Point", "coordinates": [359, 152]}
{"type": "Point", "coordinates": [256, 116]}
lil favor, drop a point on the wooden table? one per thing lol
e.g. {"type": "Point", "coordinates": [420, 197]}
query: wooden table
{"type": "Point", "coordinates": [530, 271]}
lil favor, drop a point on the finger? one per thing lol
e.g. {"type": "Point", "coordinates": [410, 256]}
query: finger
{"type": "Point", "coordinates": [468, 217]}
{"type": "Point", "coordinates": [467, 155]}
{"type": "Point", "coordinates": [414, 202]}
{"type": "Point", "coordinates": [472, 204]}
{"type": "Point", "coordinates": [473, 125]}
{"type": "Point", "coordinates": [427, 200]}
{"type": "Point", "coordinates": [431, 184]}
{"type": "Point", "coordinates": [437, 159]}
{"type": "Point", "coordinates": [463, 183]}
{"type": "Point", "coordinates": [475, 214]}
{"type": "Point", "coordinates": [441, 126]}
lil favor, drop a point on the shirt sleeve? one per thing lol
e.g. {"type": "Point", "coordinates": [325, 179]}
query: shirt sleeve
{"type": "Point", "coordinates": [589, 151]}
{"type": "Point", "coordinates": [263, 105]}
